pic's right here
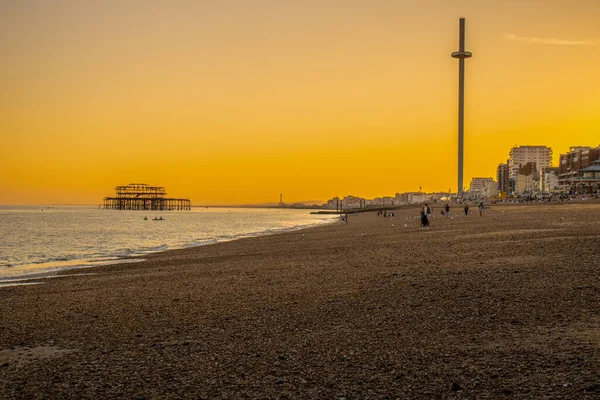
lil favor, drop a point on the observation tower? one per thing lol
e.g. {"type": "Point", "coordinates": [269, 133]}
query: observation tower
{"type": "Point", "coordinates": [461, 54]}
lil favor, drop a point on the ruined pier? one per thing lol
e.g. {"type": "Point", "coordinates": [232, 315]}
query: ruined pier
{"type": "Point", "coordinates": [139, 196]}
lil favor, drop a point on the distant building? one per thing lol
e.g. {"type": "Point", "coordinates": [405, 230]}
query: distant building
{"type": "Point", "coordinates": [483, 187]}
{"type": "Point", "coordinates": [410, 198]}
{"type": "Point", "coordinates": [333, 204]}
{"type": "Point", "coordinates": [502, 178]}
{"type": "Point", "coordinates": [590, 179]}
{"type": "Point", "coordinates": [541, 156]}
{"type": "Point", "coordinates": [571, 166]}
{"type": "Point", "coordinates": [436, 196]}
{"type": "Point", "coordinates": [388, 201]}
{"type": "Point", "coordinates": [350, 202]}
{"type": "Point", "coordinates": [549, 179]}
{"type": "Point", "coordinates": [527, 176]}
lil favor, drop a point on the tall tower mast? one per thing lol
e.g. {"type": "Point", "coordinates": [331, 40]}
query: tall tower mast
{"type": "Point", "coordinates": [461, 54]}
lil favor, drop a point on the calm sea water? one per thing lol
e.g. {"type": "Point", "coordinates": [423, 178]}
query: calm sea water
{"type": "Point", "coordinates": [36, 240]}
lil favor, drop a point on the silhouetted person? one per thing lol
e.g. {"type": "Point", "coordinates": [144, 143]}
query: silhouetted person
{"type": "Point", "coordinates": [466, 210]}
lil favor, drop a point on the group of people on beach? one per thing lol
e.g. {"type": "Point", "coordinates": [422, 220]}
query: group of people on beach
{"type": "Point", "coordinates": [425, 212]}
{"type": "Point", "coordinates": [385, 213]}
{"type": "Point", "coordinates": [445, 212]}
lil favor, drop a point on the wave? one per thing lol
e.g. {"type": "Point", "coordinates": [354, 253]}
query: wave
{"type": "Point", "coordinates": [89, 252]}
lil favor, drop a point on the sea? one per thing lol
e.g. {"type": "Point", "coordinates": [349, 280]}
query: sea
{"type": "Point", "coordinates": [39, 241]}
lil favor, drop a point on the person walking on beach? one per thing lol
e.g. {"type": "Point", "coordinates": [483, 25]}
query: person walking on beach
{"type": "Point", "coordinates": [481, 207]}
{"type": "Point", "coordinates": [427, 209]}
{"type": "Point", "coordinates": [466, 210]}
{"type": "Point", "coordinates": [424, 219]}
{"type": "Point", "coordinates": [447, 210]}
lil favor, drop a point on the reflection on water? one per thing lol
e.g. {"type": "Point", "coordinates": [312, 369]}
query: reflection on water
{"type": "Point", "coordinates": [36, 240]}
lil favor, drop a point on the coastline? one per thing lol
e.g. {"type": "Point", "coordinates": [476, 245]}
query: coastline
{"type": "Point", "coordinates": [39, 270]}
{"type": "Point", "coordinates": [487, 307]}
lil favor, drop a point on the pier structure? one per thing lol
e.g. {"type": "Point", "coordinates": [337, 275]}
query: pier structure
{"type": "Point", "coordinates": [139, 196]}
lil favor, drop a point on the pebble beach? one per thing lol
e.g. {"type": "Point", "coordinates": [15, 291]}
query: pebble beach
{"type": "Point", "coordinates": [506, 305]}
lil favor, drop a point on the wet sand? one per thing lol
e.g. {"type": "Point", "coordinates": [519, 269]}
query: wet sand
{"type": "Point", "coordinates": [501, 306]}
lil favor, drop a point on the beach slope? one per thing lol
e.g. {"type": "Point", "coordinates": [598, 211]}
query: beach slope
{"type": "Point", "coordinates": [500, 306]}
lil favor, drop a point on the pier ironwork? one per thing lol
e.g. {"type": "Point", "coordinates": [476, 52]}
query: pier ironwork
{"type": "Point", "coordinates": [139, 196]}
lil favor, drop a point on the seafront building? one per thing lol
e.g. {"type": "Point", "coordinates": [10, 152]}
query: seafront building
{"type": "Point", "coordinates": [548, 179]}
{"type": "Point", "coordinates": [502, 179]}
{"type": "Point", "coordinates": [333, 204]}
{"type": "Point", "coordinates": [410, 198]}
{"type": "Point", "coordinates": [354, 202]}
{"type": "Point", "coordinates": [483, 187]}
{"type": "Point", "coordinates": [541, 156]}
{"type": "Point", "coordinates": [591, 177]}
{"type": "Point", "coordinates": [350, 202]}
{"type": "Point", "coordinates": [573, 174]}
{"type": "Point", "coordinates": [527, 179]}
{"type": "Point", "coordinates": [385, 201]}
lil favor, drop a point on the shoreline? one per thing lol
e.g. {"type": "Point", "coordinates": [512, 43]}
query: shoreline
{"type": "Point", "coordinates": [107, 261]}
{"type": "Point", "coordinates": [503, 305]}
{"type": "Point", "coordinates": [57, 268]}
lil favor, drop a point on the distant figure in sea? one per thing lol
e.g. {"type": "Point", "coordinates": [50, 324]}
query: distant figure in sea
{"type": "Point", "coordinates": [481, 209]}
{"type": "Point", "coordinates": [466, 210]}
{"type": "Point", "coordinates": [424, 219]}
{"type": "Point", "coordinates": [447, 210]}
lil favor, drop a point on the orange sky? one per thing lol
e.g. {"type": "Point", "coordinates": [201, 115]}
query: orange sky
{"type": "Point", "coordinates": [234, 101]}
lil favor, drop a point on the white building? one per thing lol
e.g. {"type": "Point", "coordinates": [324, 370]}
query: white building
{"type": "Point", "coordinates": [410, 198]}
{"type": "Point", "coordinates": [333, 204]}
{"type": "Point", "coordinates": [486, 187]}
{"type": "Point", "coordinates": [521, 155]}
{"type": "Point", "coordinates": [525, 184]}
{"type": "Point", "coordinates": [549, 181]}
{"type": "Point", "coordinates": [349, 202]}
{"type": "Point", "coordinates": [527, 179]}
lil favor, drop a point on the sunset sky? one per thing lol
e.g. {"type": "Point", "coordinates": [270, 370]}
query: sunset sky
{"type": "Point", "coordinates": [235, 101]}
